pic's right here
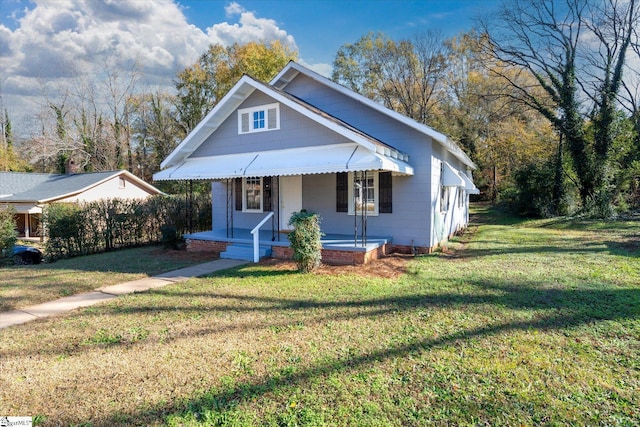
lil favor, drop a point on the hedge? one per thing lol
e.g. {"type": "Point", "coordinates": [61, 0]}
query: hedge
{"type": "Point", "coordinates": [8, 234]}
{"type": "Point", "coordinates": [74, 229]}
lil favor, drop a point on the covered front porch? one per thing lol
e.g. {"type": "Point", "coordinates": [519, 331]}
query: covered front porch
{"type": "Point", "coordinates": [28, 220]}
{"type": "Point", "coordinates": [336, 248]}
{"type": "Point", "coordinates": [261, 190]}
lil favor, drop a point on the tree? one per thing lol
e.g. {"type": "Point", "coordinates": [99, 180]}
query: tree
{"type": "Point", "coordinates": [357, 66]}
{"type": "Point", "coordinates": [120, 88]}
{"type": "Point", "coordinates": [405, 76]}
{"type": "Point", "coordinates": [155, 131]}
{"type": "Point", "coordinates": [630, 163]}
{"type": "Point", "coordinates": [87, 121]}
{"type": "Point", "coordinates": [476, 108]}
{"type": "Point", "coordinates": [9, 160]}
{"type": "Point", "coordinates": [202, 85]}
{"type": "Point", "coordinates": [554, 41]}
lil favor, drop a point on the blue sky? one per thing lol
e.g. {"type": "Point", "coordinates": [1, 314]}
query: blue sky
{"type": "Point", "coordinates": [320, 27]}
{"type": "Point", "coordinates": [51, 47]}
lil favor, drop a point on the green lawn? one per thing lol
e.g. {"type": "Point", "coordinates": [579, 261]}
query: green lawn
{"type": "Point", "coordinates": [21, 286]}
{"type": "Point", "coordinates": [519, 323]}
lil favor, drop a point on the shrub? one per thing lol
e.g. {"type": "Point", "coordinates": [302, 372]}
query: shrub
{"type": "Point", "coordinates": [531, 194]}
{"type": "Point", "coordinates": [305, 240]}
{"type": "Point", "coordinates": [8, 234]}
{"type": "Point", "coordinates": [170, 237]}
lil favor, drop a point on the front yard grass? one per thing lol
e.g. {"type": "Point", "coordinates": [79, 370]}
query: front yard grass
{"type": "Point", "coordinates": [21, 286]}
{"type": "Point", "coordinates": [518, 323]}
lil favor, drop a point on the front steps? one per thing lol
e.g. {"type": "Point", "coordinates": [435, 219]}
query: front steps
{"type": "Point", "coordinates": [244, 252]}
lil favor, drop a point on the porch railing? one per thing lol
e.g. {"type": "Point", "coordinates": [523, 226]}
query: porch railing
{"type": "Point", "coordinates": [256, 237]}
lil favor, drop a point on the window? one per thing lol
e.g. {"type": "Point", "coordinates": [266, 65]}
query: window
{"type": "Point", "coordinates": [363, 193]}
{"type": "Point", "coordinates": [252, 195]}
{"type": "Point", "coordinates": [259, 119]}
{"type": "Point", "coordinates": [444, 199]}
{"type": "Point", "coordinates": [444, 191]}
{"type": "Point", "coordinates": [373, 191]}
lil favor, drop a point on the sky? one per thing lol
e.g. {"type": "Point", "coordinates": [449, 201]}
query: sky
{"type": "Point", "coordinates": [46, 44]}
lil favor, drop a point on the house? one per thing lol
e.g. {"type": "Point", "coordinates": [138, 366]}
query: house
{"type": "Point", "coordinates": [380, 181]}
{"type": "Point", "coordinates": [28, 193]}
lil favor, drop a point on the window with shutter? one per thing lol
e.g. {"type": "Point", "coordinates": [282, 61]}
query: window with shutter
{"type": "Point", "coordinates": [259, 119]}
{"type": "Point", "coordinates": [356, 191]}
{"type": "Point", "coordinates": [253, 194]}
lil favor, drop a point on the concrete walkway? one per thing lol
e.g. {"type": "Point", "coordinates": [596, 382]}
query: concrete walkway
{"type": "Point", "coordinates": [106, 293]}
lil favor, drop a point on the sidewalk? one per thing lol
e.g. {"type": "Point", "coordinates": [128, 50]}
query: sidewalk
{"type": "Point", "coordinates": [66, 304]}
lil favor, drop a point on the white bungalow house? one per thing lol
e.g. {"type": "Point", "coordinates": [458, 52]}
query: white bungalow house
{"type": "Point", "coordinates": [379, 181]}
{"type": "Point", "coordinates": [29, 193]}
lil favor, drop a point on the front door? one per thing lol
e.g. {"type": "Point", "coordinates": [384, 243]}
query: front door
{"type": "Point", "coordinates": [290, 198]}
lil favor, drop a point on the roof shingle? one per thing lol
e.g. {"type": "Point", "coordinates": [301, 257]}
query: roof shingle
{"type": "Point", "coordinates": [39, 187]}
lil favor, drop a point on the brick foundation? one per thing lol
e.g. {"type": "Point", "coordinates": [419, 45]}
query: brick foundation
{"type": "Point", "coordinates": [206, 246]}
{"type": "Point", "coordinates": [329, 256]}
{"type": "Point", "coordinates": [281, 252]}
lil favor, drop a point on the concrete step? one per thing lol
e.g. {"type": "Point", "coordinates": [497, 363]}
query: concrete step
{"type": "Point", "coordinates": [244, 252]}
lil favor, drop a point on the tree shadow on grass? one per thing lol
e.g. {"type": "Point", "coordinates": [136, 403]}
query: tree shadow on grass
{"type": "Point", "coordinates": [557, 309]}
{"type": "Point", "coordinates": [584, 305]}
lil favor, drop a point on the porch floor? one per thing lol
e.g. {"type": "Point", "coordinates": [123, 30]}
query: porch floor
{"type": "Point", "coordinates": [340, 242]}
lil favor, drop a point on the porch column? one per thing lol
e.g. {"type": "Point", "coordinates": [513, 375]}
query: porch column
{"type": "Point", "coordinates": [230, 183]}
{"type": "Point", "coordinates": [365, 197]}
{"type": "Point", "coordinates": [276, 192]}
{"type": "Point", "coordinates": [26, 225]}
{"type": "Point", "coordinates": [360, 189]}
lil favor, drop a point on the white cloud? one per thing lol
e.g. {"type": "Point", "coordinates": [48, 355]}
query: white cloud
{"type": "Point", "coordinates": [54, 41]}
{"type": "Point", "coordinates": [5, 42]}
{"type": "Point", "coordinates": [250, 28]}
{"type": "Point", "coordinates": [321, 68]}
{"type": "Point", "coordinates": [233, 9]}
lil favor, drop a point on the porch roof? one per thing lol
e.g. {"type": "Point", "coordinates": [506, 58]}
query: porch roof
{"type": "Point", "coordinates": [348, 157]}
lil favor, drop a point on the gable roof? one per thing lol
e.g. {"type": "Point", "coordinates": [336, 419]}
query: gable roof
{"type": "Point", "coordinates": [44, 188]}
{"type": "Point", "coordinates": [292, 69]}
{"type": "Point", "coordinates": [241, 91]}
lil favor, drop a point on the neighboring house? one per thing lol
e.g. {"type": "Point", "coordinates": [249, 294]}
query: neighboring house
{"type": "Point", "coordinates": [379, 180]}
{"type": "Point", "coordinates": [28, 193]}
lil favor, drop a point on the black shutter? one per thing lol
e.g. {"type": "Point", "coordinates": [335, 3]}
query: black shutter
{"type": "Point", "coordinates": [385, 204]}
{"type": "Point", "coordinates": [238, 184]}
{"type": "Point", "coordinates": [342, 192]}
{"type": "Point", "coordinates": [266, 190]}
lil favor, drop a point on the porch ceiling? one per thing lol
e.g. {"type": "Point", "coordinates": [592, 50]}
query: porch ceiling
{"type": "Point", "coordinates": [348, 157]}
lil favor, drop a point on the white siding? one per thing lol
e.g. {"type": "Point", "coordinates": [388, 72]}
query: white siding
{"type": "Point", "coordinates": [110, 189]}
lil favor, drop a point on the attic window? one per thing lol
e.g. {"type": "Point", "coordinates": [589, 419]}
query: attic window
{"type": "Point", "coordinates": [259, 119]}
